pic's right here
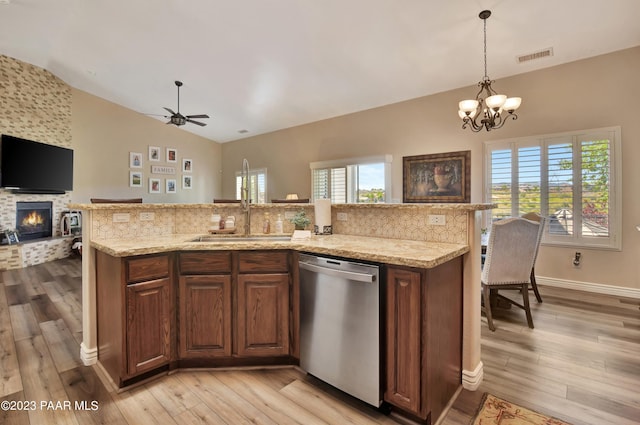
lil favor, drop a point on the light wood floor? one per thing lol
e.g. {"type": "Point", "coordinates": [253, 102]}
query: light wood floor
{"type": "Point", "coordinates": [581, 364]}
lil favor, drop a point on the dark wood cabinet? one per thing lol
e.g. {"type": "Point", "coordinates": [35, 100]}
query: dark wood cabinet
{"type": "Point", "coordinates": [148, 325]}
{"type": "Point", "coordinates": [234, 304]}
{"type": "Point", "coordinates": [424, 338]}
{"type": "Point", "coordinates": [404, 338]}
{"type": "Point", "coordinates": [135, 314]}
{"type": "Point", "coordinates": [263, 315]}
{"type": "Point", "coordinates": [205, 316]}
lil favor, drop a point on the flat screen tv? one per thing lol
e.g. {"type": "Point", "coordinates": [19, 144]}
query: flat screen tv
{"type": "Point", "coordinates": [33, 167]}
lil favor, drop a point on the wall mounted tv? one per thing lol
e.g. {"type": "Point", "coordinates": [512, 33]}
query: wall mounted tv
{"type": "Point", "coordinates": [33, 167]}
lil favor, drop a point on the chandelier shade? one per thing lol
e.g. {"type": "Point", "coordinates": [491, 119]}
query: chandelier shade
{"type": "Point", "coordinates": [489, 110]}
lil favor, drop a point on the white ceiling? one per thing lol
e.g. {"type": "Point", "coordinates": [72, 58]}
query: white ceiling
{"type": "Point", "coordinates": [264, 65]}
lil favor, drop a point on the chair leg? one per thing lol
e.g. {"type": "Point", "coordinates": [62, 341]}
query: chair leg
{"type": "Point", "coordinates": [527, 308]}
{"type": "Point", "coordinates": [534, 285]}
{"type": "Point", "coordinates": [487, 306]}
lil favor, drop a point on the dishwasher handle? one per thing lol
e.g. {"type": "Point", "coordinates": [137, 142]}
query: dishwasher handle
{"type": "Point", "coordinates": [359, 277]}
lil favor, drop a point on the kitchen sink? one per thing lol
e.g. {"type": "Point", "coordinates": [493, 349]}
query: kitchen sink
{"type": "Point", "coordinates": [235, 239]}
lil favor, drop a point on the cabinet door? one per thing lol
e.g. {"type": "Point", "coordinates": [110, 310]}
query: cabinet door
{"type": "Point", "coordinates": [404, 340]}
{"type": "Point", "coordinates": [205, 316]}
{"type": "Point", "coordinates": [148, 325]}
{"type": "Point", "coordinates": [263, 315]}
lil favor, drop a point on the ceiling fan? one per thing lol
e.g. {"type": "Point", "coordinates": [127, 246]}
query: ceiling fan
{"type": "Point", "coordinates": [176, 118]}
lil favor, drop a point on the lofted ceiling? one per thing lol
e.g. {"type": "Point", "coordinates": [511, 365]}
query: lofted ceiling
{"type": "Point", "coordinates": [264, 65]}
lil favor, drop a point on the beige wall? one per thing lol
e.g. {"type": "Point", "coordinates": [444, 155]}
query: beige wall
{"type": "Point", "coordinates": [596, 92]}
{"type": "Point", "coordinates": [103, 135]}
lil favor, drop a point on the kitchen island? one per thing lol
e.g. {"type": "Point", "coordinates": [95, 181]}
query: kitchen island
{"type": "Point", "coordinates": [413, 251]}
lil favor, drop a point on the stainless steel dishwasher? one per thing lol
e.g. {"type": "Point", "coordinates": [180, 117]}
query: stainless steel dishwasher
{"type": "Point", "coordinates": [340, 325]}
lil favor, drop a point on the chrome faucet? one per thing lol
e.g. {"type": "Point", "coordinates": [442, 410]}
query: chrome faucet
{"type": "Point", "coordinates": [244, 197]}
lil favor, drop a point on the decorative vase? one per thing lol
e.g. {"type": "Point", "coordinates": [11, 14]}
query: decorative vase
{"type": "Point", "coordinates": [442, 181]}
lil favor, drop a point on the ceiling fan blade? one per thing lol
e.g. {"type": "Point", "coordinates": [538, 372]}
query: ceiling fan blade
{"type": "Point", "coordinates": [170, 111]}
{"type": "Point", "coordinates": [198, 116]}
{"type": "Point", "coordinates": [196, 122]}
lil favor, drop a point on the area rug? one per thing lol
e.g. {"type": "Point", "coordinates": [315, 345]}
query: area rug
{"type": "Point", "coordinates": [496, 411]}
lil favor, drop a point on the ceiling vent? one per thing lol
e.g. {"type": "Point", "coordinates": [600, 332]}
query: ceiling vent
{"type": "Point", "coordinates": [536, 55]}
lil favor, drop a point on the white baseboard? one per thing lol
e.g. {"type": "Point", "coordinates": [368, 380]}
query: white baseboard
{"type": "Point", "coordinates": [471, 380]}
{"type": "Point", "coordinates": [88, 356]}
{"type": "Point", "coordinates": [598, 288]}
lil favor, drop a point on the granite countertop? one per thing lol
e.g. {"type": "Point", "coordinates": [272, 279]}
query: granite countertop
{"type": "Point", "coordinates": [390, 251]}
{"type": "Point", "coordinates": [152, 206]}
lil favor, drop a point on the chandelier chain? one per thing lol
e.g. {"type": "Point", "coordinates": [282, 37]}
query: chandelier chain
{"type": "Point", "coordinates": [486, 76]}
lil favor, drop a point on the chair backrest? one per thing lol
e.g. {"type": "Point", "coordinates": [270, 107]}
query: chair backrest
{"type": "Point", "coordinates": [226, 201]}
{"type": "Point", "coordinates": [533, 216]}
{"type": "Point", "coordinates": [116, 201]}
{"type": "Point", "coordinates": [290, 201]}
{"type": "Point", "coordinates": [511, 251]}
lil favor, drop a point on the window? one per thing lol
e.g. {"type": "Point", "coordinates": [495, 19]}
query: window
{"type": "Point", "coordinates": [354, 180]}
{"type": "Point", "coordinates": [570, 178]}
{"type": "Point", "coordinates": [257, 185]}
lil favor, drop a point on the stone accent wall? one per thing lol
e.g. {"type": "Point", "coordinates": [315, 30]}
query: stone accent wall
{"type": "Point", "coordinates": [34, 105]}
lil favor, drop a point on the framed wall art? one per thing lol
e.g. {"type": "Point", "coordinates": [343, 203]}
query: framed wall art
{"type": "Point", "coordinates": [187, 181]}
{"type": "Point", "coordinates": [135, 160]}
{"type": "Point", "coordinates": [135, 178]}
{"type": "Point", "coordinates": [172, 155]}
{"type": "Point", "coordinates": [435, 178]}
{"type": "Point", "coordinates": [187, 165]}
{"type": "Point", "coordinates": [154, 153]}
{"type": "Point", "coordinates": [154, 186]}
{"type": "Point", "coordinates": [170, 186]}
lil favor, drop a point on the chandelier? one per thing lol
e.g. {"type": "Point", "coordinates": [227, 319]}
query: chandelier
{"type": "Point", "coordinates": [489, 108]}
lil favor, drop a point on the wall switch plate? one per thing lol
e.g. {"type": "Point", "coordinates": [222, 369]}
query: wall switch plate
{"type": "Point", "coordinates": [121, 217]}
{"type": "Point", "coordinates": [147, 216]}
{"type": "Point", "coordinates": [342, 216]}
{"type": "Point", "coordinates": [436, 220]}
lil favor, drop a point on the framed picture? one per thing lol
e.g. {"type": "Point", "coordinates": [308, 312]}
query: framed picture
{"type": "Point", "coordinates": [187, 165]}
{"type": "Point", "coordinates": [172, 155]}
{"type": "Point", "coordinates": [135, 160]}
{"type": "Point", "coordinates": [170, 186]}
{"type": "Point", "coordinates": [442, 177]}
{"type": "Point", "coordinates": [154, 153]}
{"type": "Point", "coordinates": [187, 181]}
{"type": "Point", "coordinates": [135, 178]}
{"type": "Point", "coordinates": [12, 236]}
{"type": "Point", "coordinates": [154, 186]}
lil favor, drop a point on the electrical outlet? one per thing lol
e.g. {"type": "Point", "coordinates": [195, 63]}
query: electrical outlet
{"type": "Point", "coordinates": [436, 220]}
{"type": "Point", "coordinates": [288, 215]}
{"type": "Point", "coordinates": [121, 217]}
{"type": "Point", "coordinates": [147, 216]}
{"type": "Point", "coordinates": [342, 216]}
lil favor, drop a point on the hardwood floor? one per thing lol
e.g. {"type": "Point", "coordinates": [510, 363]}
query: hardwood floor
{"type": "Point", "coordinates": [581, 364]}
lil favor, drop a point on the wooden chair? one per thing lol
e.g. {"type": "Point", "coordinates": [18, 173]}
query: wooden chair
{"type": "Point", "coordinates": [539, 219]}
{"type": "Point", "coordinates": [226, 201]}
{"type": "Point", "coordinates": [116, 201]}
{"type": "Point", "coordinates": [290, 201]}
{"type": "Point", "coordinates": [510, 256]}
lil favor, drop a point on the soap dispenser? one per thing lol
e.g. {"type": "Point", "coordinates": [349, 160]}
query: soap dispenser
{"type": "Point", "coordinates": [279, 227]}
{"type": "Point", "coordinates": [266, 224]}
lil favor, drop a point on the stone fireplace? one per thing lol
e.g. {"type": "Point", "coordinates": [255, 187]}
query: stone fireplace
{"type": "Point", "coordinates": [34, 220]}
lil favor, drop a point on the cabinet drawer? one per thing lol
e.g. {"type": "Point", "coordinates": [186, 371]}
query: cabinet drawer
{"type": "Point", "coordinates": [204, 262]}
{"type": "Point", "coordinates": [147, 268]}
{"type": "Point", "coordinates": [263, 261]}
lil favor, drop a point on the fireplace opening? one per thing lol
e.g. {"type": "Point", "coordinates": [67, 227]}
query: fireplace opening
{"type": "Point", "coordinates": [34, 220]}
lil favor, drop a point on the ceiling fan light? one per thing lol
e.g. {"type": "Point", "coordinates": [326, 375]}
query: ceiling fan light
{"type": "Point", "coordinates": [468, 105]}
{"type": "Point", "coordinates": [512, 103]}
{"type": "Point", "coordinates": [496, 101]}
